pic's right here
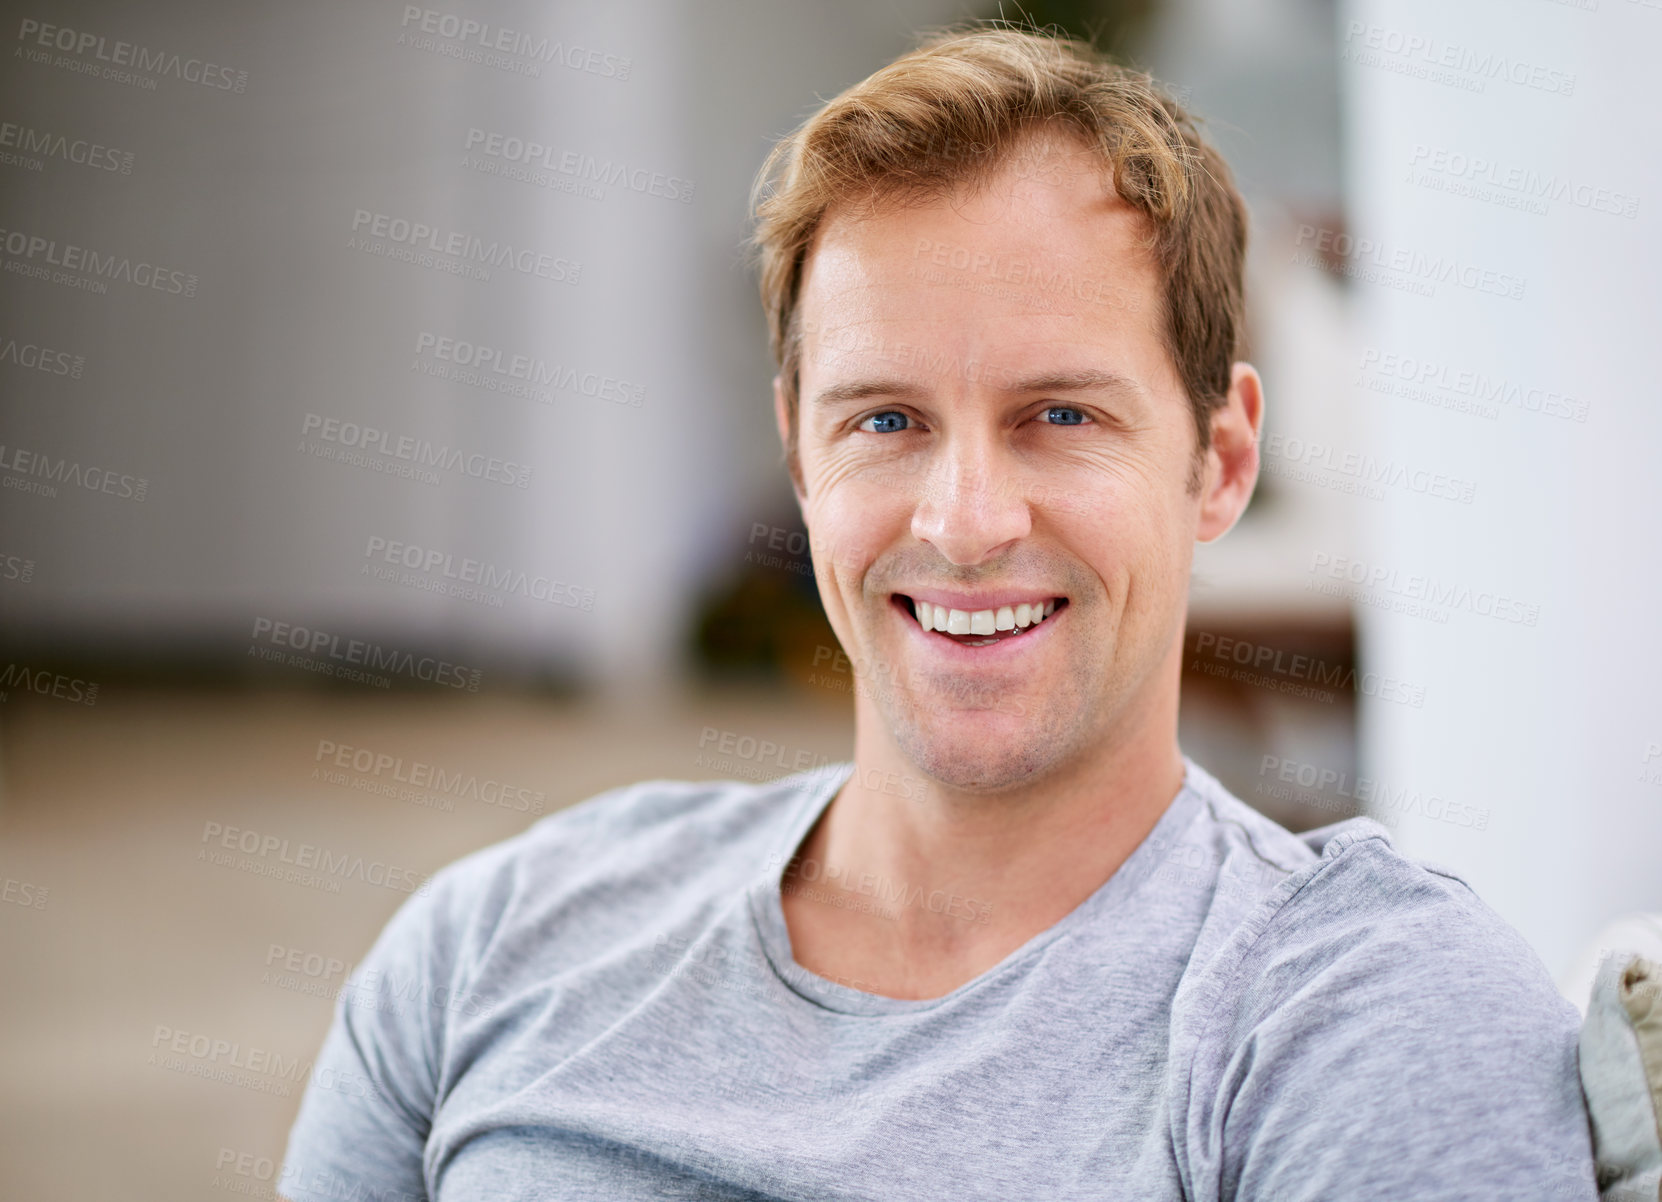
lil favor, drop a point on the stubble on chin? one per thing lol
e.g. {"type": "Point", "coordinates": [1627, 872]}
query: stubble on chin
{"type": "Point", "coordinates": [942, 730]}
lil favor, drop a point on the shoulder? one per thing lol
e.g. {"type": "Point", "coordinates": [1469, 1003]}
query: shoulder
{"type": "Point", "coordinates": [1361, 920]}
{"type": "Point", "coordinates": [1333, 944]}
{"type": "Point", "coordinates": [1359, 945]}
{"type": "Point", "coordinates": [1363, 1006]}
{"type": "Point", "coordinates": [1364, 905]}
{"type": "Point", "coordinates": [691, 820]}
{"type": "Point", "coordinates": [654, 811]}
{"type": "Point", "coordinates": [1343, 889]}
{"type": "Point", "coordinates": [642, 838]}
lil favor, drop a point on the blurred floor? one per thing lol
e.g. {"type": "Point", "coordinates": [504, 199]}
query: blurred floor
{"type": "Point", "coordinates": [135, 937]}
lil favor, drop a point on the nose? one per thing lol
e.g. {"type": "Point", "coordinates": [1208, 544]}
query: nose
{"type": "Point", "coordinates": [971, 505]}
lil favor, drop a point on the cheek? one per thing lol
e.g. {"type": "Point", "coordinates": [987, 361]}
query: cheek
{"type": "Point", "coordinates": [841, 545]}
{"type": "Point", "coordinates": [852, 517]}
{"type": "Point", "coordinates": [1130, 537]}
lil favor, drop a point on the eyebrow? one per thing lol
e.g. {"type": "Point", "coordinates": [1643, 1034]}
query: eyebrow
{"type": "Point", "coordinates": [1084, 380]}
{"type": "Point", "coordinates": [859, 390]}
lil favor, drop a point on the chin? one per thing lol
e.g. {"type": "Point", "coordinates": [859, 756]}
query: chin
{"type": "Point", "coordinates": [977, 748]}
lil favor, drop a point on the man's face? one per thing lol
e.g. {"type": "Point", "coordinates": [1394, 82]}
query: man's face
{"type": "Point", "coordinates": [990, 424]}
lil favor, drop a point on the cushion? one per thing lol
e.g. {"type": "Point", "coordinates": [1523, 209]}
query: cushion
{"type": "Point", "coordinates": [1621, 1076]}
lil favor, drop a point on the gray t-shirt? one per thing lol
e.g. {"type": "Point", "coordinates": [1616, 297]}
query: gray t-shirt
{"type": "Point", "coordinates": [605, 1006]}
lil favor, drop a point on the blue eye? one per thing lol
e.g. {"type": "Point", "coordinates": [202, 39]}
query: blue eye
{"type": "Point", "coordinates": [1064, 415]}
{"type": "Point", "coordinates": [890, 422]}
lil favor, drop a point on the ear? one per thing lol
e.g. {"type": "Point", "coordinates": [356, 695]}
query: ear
{"type": "Point", "coordinates": [1232, 459]}
{"type": "Point", "coordinates": [782, 418]}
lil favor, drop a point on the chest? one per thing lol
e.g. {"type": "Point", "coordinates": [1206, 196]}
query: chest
{"type": "Point", "coordinates": [695, 1072]}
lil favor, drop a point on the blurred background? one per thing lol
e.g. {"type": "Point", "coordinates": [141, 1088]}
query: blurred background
{"type": "Point", "coordinates": [386, 460]}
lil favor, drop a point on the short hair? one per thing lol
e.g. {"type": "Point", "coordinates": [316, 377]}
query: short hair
{"type": "Point", "coordinates": [949, 113]}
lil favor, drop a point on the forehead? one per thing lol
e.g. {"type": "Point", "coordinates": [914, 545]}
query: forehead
{"type": "Point", "coordinates": [1041, 258]}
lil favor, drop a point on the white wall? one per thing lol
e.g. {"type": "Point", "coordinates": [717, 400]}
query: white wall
{"type": "Point", "coordinates": [253, 190]}
{"type": "Point", "coordinates": [1544, 722]}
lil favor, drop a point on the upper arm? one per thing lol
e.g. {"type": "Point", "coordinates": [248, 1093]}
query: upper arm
{"type": "Point", "coordinates": [368, 1105]}
{"type": "Point", "coordinates": [1414, 1048]}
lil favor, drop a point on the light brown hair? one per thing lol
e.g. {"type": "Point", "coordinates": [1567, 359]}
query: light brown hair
{"type": "Point", "coordinates": [948, 114]}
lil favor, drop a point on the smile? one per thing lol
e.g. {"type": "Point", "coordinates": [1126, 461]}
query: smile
{"type": "Point", "coordinates": [981, 627]}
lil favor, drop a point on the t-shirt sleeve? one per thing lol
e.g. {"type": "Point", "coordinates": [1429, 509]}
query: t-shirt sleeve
{"type": "Point", "coordinates": [1389, 1036]}
{"type": "Point", "coordinates": [368, 1106]}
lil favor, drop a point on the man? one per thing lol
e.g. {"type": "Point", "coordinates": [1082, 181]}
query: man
{"type": "Point", "coordinates": [1059, 960]}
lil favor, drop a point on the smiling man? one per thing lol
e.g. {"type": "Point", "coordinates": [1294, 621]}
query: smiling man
{"type": "Point", "coordinates": [1021, 947]}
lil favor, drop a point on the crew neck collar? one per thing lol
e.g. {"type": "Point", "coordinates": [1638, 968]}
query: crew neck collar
{"type": "Point", "coordinates": [820, 787]}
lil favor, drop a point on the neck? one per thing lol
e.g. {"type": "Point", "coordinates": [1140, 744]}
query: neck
{"type": "Point", "coordinates": [976, 876]}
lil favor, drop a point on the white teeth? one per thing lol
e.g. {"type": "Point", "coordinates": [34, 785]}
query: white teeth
{"type": "Point", "coordinates": [982, 621]}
